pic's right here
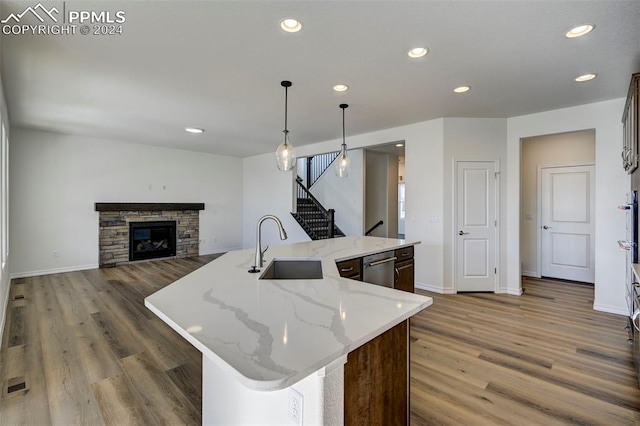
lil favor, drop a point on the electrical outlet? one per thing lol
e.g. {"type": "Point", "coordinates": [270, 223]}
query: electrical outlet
{"type": "Point", "coordinates": [296, 401]}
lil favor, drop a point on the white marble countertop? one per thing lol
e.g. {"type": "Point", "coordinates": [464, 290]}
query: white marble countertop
{"type": "Point", "coordinates": [269, 334]}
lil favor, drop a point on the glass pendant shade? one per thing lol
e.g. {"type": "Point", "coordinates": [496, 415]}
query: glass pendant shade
{"type": "Point", "coordinates": [343, 163]}
{"type": "Point", "coordinates": [343, 167]}
{"type": "Point", "coordinates": [285, 154]}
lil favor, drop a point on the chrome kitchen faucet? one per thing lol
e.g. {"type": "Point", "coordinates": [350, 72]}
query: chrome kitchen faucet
{"type": "Point", "coordinates": [259, 256]}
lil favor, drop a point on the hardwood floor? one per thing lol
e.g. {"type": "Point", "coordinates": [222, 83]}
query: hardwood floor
{"type": "Point", "coordinates": [544, 358]}
{"type": "Point", "coordinates": [90, 353]}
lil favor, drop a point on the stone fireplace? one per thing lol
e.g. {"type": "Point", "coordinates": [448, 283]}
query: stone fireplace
{"type": "Point", "coordinates": [139, 231]}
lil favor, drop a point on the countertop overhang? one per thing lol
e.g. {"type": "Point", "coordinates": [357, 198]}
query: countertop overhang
{"type": "Point", "coordinates": [270, 334]}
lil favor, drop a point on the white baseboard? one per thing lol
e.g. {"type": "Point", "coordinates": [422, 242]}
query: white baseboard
{"type": "Point", "coordinates": [530, 274]}
{"type": "Point", "coordinates": [433, 288]}
{"type": "Point", "coordinates": [91, 266]}
{"type": "Point", "coordinates": [53, 271]}
{"type": "Point", "coordinates": [611, 309]}
{"type": "Point", "coordinates": [511, 291]}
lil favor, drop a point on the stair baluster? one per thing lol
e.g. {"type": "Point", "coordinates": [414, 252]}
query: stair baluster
{"type": "Point", "coordinates": [317, 221]}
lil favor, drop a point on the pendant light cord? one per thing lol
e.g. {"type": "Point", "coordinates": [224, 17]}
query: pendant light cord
{"type": "Point", "coordinates": [343, 142]}
{"type": "Point", "coordinates": [343, 107]}
{"type": "Point", "coordinates": [286, 97]}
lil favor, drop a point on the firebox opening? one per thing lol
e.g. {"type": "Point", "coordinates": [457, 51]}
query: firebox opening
{"type": "Point", "coordinates": [152, 240]}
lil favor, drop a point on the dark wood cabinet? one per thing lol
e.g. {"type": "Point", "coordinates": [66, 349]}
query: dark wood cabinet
{"type": "Point", "coordinates": [376, 380]}
{"type": "Point", "coordinates": [405, 276]}
{"type": "Point", "coordinates": [350, 268]}
{"type": "Point", "coordinates": [404, 253]}
{"type": "Point", "coordinates": [405, 272]}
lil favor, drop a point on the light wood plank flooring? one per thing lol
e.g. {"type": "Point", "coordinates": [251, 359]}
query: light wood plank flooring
{"type": "Point", "coordinates": [92, 354]}
{"type": "Point", "coordinates": [544, 358]}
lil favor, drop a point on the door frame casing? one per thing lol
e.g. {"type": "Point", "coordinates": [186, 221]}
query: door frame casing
{"type": "Point", "coordinates": [539, 208]}
{"type": "Point", "coordinates": [454, 219]}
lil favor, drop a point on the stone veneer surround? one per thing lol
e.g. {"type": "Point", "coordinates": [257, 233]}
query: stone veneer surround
{"type": "Point", "coordinates": [113, 237]}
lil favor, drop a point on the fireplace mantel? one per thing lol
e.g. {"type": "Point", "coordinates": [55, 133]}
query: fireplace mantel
{"type": "Point", "coordinates": [130, 207]}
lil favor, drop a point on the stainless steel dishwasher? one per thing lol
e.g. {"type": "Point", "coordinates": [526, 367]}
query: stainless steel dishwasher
{"type": "Point", "coordinates": [379, 269]}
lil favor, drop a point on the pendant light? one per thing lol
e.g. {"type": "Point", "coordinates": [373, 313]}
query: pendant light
{"type": "Point", "coordinates": [286, 153]}
{"type": "Point", "coordinates": [343, 167]}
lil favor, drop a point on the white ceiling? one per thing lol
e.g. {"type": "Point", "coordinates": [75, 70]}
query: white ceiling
{"type": "Point", "coordinates": [218, 65]}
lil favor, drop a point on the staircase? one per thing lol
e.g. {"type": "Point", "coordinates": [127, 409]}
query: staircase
{"type": "Point", "coordinates": [317, 222]}
{"type": "Point", "coordinates": [317, 165]}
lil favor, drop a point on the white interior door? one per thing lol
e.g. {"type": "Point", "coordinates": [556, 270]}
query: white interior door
{"type": "Point", "coordinates": [568, 228]}
{"type": "Point", "coordinates": [475, 226]}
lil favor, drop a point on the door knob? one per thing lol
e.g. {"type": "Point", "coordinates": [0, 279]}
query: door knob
{"type": "Point", "coordinates": [462, 233]}
{"type": "Point", "coordinates": [547, 227]}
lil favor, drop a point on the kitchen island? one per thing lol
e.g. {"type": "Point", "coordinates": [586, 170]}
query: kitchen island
{"type": "Point", "coordinates": [261, 338]}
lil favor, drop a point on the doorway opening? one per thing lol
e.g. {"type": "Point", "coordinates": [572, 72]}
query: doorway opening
{"type": "Point", "coordinates": [384, 188]}
{"type": "Point", "coordinates": [557, 201]}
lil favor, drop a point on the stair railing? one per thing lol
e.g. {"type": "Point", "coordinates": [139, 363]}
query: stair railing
{"type": "Point", "coordinates": [317, 165]}
{"type": "Point", "coordinates": [303, 192]}
{"type": "Point", "coordinates": [374, 227]}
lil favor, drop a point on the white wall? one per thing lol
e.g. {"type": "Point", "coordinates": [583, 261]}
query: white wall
{"type": "Point", "coordinates": [565, 149]}
{"type": "Point", "coordinates": [56, 179]}
{"type": "Point", "coordinates": [612, 183]}
{"type": "Point", "coordinates": [344, 195]}
{"type": "Point", "coordinates": [472, 139]}
{"type": "Point", "coordinates": [267, 190]}
{"type": "Point", "coordinates": [5, 282]}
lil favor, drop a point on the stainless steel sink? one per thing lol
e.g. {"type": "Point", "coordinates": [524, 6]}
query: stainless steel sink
{"type": "Point", "coordinates": [293, 269]}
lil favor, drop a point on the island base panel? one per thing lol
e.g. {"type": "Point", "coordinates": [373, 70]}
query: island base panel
{"type": "Point", "coordinates": [376, 380]}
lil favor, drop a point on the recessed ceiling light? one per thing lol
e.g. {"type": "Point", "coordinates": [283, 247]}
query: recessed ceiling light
{"type": "Point", "coordinates": [585, 77]}
{"type": "Point", "coordinates": [579, 31]}
{"type": "Point", "coordinates": [193, 130]}
{"type": "Point", "coordinates": [418, 52]}
{"type": "Point", "coordinates": [399, 145]}
{"type": "Point", "coordinates": [462, 89]}
{"type": "Point", "coordinates": [340, 87]}
{"type": "Point", "coordinates": [291, 25]}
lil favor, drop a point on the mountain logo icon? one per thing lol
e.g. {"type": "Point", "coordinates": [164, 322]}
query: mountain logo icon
{"type": "Point", "coordinates": [38, 11]}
